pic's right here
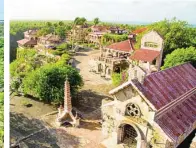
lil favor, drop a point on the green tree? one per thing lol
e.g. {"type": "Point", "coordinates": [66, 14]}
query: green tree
{"type": "Point", "coordinates": [28, 60]}
{"type": "Point", "coordinates": [96, 21]}
{"type": "Point", "coordinates": [47, 82]}
{"type": "Point", "coordinates": [180, 56]}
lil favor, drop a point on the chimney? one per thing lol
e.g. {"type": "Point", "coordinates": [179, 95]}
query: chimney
{"type": "Point", "coordinates": [67, 97]}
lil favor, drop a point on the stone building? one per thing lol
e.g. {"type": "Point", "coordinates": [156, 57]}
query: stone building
{"type": "Point", "coordinates": [96, 34]}
{"type": "Point", "coordinates": [118, 56]}
{"type": "Point", "coordinates": [157, 112]}
{"type": "Point", "coordinates": [149, 56]}
{"type": "Point", "coordinates": [30, 39]}
{"type": "Point", "coordinates": [117, 30]}
{"type": "Point", "coordinates": [49, 41]}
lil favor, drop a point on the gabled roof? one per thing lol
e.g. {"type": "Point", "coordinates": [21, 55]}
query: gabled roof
{"type": "Point", "coordinates": [121, 46]}
{"type": "Point", "coordinates": [146, 55]}
{"type": "Point", "coordinates": [168, 85]}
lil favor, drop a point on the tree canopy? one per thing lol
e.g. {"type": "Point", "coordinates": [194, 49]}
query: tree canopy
{"type": "Point", "coordinates": [96, 21]}
{"type": "Point", "coordinates": [47, 82]}
{"type": "Point", "coordinates": [80, 21]}
{"type": "Point", "coordinates": [180, 56]}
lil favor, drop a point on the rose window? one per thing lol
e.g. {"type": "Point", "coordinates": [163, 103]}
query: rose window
{"type": "Point", "coordinates": [132, 110]}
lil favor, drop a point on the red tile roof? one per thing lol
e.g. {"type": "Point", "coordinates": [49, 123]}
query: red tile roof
{"type": "Point", "coordinates": [121, 46]}
{"type": "Point", "coordinates": [138, 31]}
{"type": "Point", "coordinates": [145, 55]}
{"type": "Point", "coordinates": [173, 93]}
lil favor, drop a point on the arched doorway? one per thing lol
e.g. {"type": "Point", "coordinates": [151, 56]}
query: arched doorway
{"type": "Point", "coordinates": [128, 136]}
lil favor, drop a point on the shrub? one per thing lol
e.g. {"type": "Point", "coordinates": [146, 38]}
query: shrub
{"type": "Point", "coordinates": [25, 63]}
{"type": "Point", "coordinates": [47, 82]}
{"type": "Point", "coordinates": [119, 78]}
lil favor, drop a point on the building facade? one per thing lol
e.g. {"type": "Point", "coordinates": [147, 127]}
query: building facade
{"type": "Point", "coordinates": [123, 55]}
{"type": "Point", "coordinates": [30, 39]}
{"type": "Point", "coordinates": [157, 112]}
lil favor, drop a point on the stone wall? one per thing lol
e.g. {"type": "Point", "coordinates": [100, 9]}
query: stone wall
{"type": "Point", "coordinates": [152, 37]}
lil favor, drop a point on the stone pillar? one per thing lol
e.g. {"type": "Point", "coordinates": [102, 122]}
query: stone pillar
{"type": "Point", "coordinates": [67, 97]}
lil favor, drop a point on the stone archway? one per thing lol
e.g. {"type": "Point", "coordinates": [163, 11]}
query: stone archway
{"type": "Point", "coordinates": [130, 136]}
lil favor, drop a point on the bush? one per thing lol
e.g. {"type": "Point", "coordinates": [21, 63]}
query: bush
{"type": "Point", "coordinates": [180, 56]}
{"type": "Point", "coordinates": [27, 62]}
{"type": "Point", "coordinates": [116, 79]}
{"type": "Point", "coordinates": [63, 60]}
{"type": "Point", "coordinates": [47, 82]}
{"type": "Point", "coordinates": [64, 46]}
{"type": "Point", "coordinates": [119, 78]}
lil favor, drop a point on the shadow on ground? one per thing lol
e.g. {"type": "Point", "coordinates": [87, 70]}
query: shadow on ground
{"type": "Point", "coordinates": [80, 54]}
{"type": "Point", "coordinates": [90, 99]}
{"type": "Point", "coordinates": [90, 125]}
{"type": "Point", "coordinates": [33, 133]}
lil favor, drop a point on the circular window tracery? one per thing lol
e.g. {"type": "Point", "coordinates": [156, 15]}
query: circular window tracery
{"type": "Point", "coordinates": [132, 110]}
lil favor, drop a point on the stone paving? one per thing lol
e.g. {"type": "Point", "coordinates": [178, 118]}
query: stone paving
{"type": "Point", "coordinates": [83, 65]}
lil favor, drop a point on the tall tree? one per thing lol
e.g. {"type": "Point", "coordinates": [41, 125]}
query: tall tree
{"type": "Point", "coordinates": [96, 21]}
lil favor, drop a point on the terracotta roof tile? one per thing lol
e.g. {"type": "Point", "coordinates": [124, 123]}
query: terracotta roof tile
{"type": "Point", "coordinates": [145, 55]}
{"type": "Point", "coordinates": [121, 46]}
{"type": "Point", "coordinates": [138, 31]}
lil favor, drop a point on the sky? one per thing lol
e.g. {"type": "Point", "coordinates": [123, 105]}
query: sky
{"type": "Point", "coordinates": [146, 11]}
{"type": "Point", "coordinates": [1, 9]}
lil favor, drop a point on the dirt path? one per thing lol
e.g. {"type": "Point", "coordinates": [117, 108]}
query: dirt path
{"type": "Point", "coordinates": [82, 64]}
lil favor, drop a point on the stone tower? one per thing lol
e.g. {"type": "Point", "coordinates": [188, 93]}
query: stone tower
{"type": "Point", "coordinates": [67, 97]}
{"type": "Point", "coordinates": [65, 115]}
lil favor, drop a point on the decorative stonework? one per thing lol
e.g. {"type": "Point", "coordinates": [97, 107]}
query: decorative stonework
{"type": "Point", "coordinates": [66, 114]}
{"type": "Point", "coordinates": [67, 97]}
{"type": "Point", "coordinates": [132, 110]}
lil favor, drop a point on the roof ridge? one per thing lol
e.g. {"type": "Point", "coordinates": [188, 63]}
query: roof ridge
{"type": "Point", "coordinates": [175, 102]}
